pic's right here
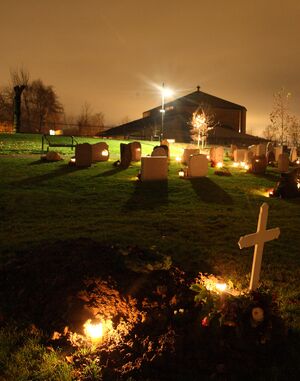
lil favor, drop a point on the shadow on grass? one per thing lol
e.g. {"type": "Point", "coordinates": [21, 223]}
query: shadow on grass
{"type": "Point", "coordinates": [111, 172]}
{"type": "Point", "coordinates": [269, 176]}
{"type": "Point", "coordinates": [61, 171]}
{"type": "Point", "coordinates": [148, 195]}
{"type": "Point", "coordinates": [208, 191]}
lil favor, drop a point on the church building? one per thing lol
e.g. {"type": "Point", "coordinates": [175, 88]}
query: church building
{"type": "Point", "coordinates": [229, 121]}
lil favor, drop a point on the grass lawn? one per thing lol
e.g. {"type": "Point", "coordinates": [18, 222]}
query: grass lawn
{"type": "Point", "coordinates": [197, 223]}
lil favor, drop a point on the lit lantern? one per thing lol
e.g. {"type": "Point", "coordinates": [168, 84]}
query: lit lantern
{"type": "Point", "coordinates": [181, 173]}
{"type": "Point", "coordinates": [271, 193]}
{"type": "Point", "coordinates": [221, 286]}
{"type": "Point", "coordinates": [51, 132]}
{"type": "Point", "coordinates": [208, 157]}
{"type": "Point", "coordinates": [178, 159]}
{"type": "Point", "coordinates": [247, 167]}
{"type": "Point", "coordinates": [93, 331]}
{"type": "Point", "coordinates": [298, 161]}
{"type": "Point", "coordinates": [104, 152]}
{"type": "Point", "coordinates": [235, 164]}
{"type": "Point", "coordinates": [219, 165]}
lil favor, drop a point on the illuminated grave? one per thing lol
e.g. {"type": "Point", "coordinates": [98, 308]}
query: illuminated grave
{"type": "Point", "coordinates": [197, 166]}
{"type": "Point", "coordinates": [154, 168]}
{"type": "Point", "coordinates": [100, 152]}
{"type": "Point", "coordinates": [136, 151]}
{"type": "Point", "coordinates": [187, 153]}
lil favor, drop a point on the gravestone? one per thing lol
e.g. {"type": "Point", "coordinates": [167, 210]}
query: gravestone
{"type": "Point", "coordinates": [270, 157]}
{"type": "Point", "coordinates": [270, 147]}
{"type": "Point", "coordinates": [283, 162]}
{"type": "Point", "coordinates": [287, 186]}
{"type": "Point", "coordinates": [233, 147]}
{"type": "Point", "coordinates": [52, 156]}
{"type": "Point", "coordinates": [293, 155]}
{"type": "Point", "coordinates": [239, 155]}
{"type": "Point", "coordinates": [252, 149]}
{"type": "Point", "coordinates": [249, 155]}
{"type": "Point", "coordinates": [154, 168]}
{"type": "Point", "coordinates": [278, 151]}
{"type": "Point", "coordinates": [136, 151]}
{"type": "Point", "coordinates": [165, 143]}
{"type": "Point", "coordinates": [100, 152]}
{"type": "Point", "coordinates": [160, 151]}
{"type": "Point", "coordinates": [83, 155]}
{"type": "Point", "coordinates": [197, 166]}
{"type": "Point", "coordinates": [261, 149]}
{"type": "Point", "coordinates": [216, 155]}
{"type": "Point", "coordinates": [258, 240]}
{"type": "Point", "coordinates": [187, 153]}
{"type": "Point", "coordinates": [125, 153]}
{"type": "Point", "coordinates": [258, 165]}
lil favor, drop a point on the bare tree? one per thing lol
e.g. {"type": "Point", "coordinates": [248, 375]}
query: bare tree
{"type": "Point", "coordinates": [89, 119]}
{"type": "Point", "coordinates": [269, 133]}
{"type": "Point", "coordinates": [280, 116]}
{"type": "Point", "coordinates": [202, 121]}
{"type": "Point", "coordinates": [294, 132]}
{"type": "Point", "coordinates": [42, 106]}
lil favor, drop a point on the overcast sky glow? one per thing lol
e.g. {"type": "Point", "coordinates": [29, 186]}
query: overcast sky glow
{"type": "Point", "coordinates": [113, 53]}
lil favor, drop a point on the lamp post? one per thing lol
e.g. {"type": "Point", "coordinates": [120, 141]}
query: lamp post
{"type": "Point", "coordinates": [165, 92]}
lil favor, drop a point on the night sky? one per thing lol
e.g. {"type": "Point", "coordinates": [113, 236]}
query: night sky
{"type": "Point", "coordinates": [112, 53]}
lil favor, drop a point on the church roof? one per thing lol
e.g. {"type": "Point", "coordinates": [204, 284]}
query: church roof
{"type": "Point", "coordinates": [199, 97]}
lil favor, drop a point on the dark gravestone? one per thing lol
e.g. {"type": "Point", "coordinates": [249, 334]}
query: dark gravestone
{"type": "Point", "coordinates": [83, 155]}
{"type": "Point", "coordinates": [258, 164]}
{"type": "Point", "coordinates": [136, 151]}
{"type": "Point", "coordinates": [287, 187]}
{"type": "Point", "coordinates": [126, 156]}
{"type": "Point", "coordinates": [270, 157]}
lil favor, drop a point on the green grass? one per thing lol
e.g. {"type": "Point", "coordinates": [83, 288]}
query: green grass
{"type": "Point", "coordinates": [197, 222]}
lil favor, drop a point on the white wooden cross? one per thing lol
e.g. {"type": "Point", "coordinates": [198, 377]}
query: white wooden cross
{"type": "Point", "coordinates": [258, 239]}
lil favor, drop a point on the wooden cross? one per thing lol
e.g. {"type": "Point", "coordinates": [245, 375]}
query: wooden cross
{"type": "Point", "coordinates": [258, 239]}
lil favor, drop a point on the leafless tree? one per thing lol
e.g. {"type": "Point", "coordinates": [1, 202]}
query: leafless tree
{"type": "Point", "coordinates": [42, 106]}
{"type": "Point", "coordinates": [202, 121]}
{"type": "Point", "coordinates": [280, 115]}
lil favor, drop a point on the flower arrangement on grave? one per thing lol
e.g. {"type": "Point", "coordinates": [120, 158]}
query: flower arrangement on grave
{"type": "Point", "coordinates": [242, 317]}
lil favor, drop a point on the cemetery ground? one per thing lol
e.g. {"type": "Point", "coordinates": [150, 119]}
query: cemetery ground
{"type": "Point", "coordinates": [75, 242]}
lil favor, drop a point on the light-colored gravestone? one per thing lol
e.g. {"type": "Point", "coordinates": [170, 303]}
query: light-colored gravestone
{"type": "Point", "coordinates": [187, 153]}
{"type": "Point", "coordinates": [278, 151]}
{"type": "Point", "coordinates": [197, 166]}
{"type": "Point", "coordinates": [258, 240]}
{"type": "Point", "coordinates": [233, 147]}
{"type": "Point", "coordinates": [159, 151]}
{"type": "Point", "coordinates": [283, 162]}
{"type": "Point", "coordinates": [261, 149]}
{"type": "Point", "coordinates": [100, 152]}
{"type": "Point", "coordinates": [239, 155]}
{"type": "Point", "coordinates": [293, 155]}
{"type": "Point", "coordinates": [154, 168]}
{"type": "Point", "coordinates": [83, 155]}
{"type": "Point", "coordinates": [217, 154]}
{"type": "Point", "coordinates": [249, 155]}
{"type": "Point", "coordinates": [136, 151]}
